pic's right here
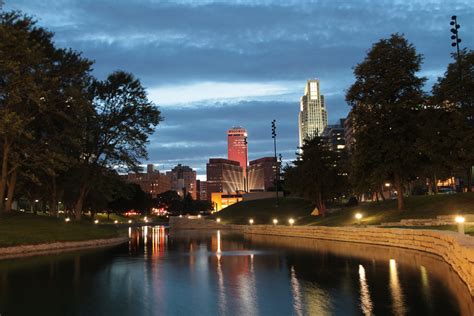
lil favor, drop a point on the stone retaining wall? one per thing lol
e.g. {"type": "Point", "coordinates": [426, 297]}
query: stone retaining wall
{"type": "Point", "coordinates": [39, 249]}
{"type": "Point", "coordinates": [456, 249]}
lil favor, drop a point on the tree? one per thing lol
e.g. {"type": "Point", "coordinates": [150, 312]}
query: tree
{"type": "Point", "coordinates": [455, 93]}
{"type": "Point", "coordinates": [318, 174]}
{"type": "Point", "coordinates": [116, 132]}
{"type": "Point", "coordinates": [386, 99]}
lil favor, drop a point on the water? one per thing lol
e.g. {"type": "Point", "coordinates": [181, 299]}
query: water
{"type": "Point", "coordinates": [219, 273]}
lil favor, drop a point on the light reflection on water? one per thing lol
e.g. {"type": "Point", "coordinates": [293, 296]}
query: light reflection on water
{"type": "Point", "coordinates": [221, 273]}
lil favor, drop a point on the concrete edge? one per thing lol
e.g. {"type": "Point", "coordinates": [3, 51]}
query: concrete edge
{"type": "Point", "coordinates": [455, 249]}
{"type": "Point", "coordinates": [57, 247]}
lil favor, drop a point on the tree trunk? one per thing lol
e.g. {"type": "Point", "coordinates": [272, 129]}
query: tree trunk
{"type": "Point", "coordinates": [80, 202]}
{"type": "Point", "coordinates": [400, 199]}
{"type": "Point", "coordinates": [436, 184]}
{"type": "Point", "coordinates": [469, 179]}
{"type": "Point", "coordinates": [3, 179]}
{"type": "Point", "coordinates": [11, 190]}
{"type": "Point", "coordinates": [321, 205]}
{"type": "Point", "coordinates": [381, 193]}
{"type": "Point", "coordinates": [429, 185]}
{"type": "Point", "coordinates": [54, 198]}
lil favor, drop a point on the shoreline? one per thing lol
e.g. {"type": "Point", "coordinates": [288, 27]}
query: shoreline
{"type": "Point", "coordinates": [455, 249]}
{"type": "Point", "coordinates": [30, 250]}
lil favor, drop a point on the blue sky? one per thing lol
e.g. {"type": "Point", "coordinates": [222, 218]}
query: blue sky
{"type": "Point", "coordinates": [210, 65]}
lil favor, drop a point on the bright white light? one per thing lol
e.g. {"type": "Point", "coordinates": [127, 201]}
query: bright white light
{"type": "Point", "coordinates": [180, 216]}
{"type": "Point", "coordinates": [199, 216]}
{"type": "Point", "coordinates": [218, 220]}
{"type": "Point", "coordinates": [291, 221]}
{"type": "Point", "coordinates": [116, 222]}
{"type": "Point", "coordinates": [96, 221]}
{"type": "Point", "coordinates": [36, 201]}
{"type": "Point", "coordinates": [460, 219]}
{"type": "Point", "coordinates": [358, 216]}
{"type": "Point", "coordinates": [129, 221]}
{"type": "Point", "coordinates": [275, 221]}
{"type": "Point", "coordinates": [251, 221]}
{"type": "Point", "coordinates": [387, 184]}
{"type": "Point", "coordinates": [67, 219]}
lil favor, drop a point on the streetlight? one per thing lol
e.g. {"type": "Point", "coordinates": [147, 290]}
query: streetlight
{"type": "Point", "coordinates": [116, 222]}
{"type": "Point", "coordinates": [67, 219]}
{"type": "Point", "coordinates": [276, 161]}
{"type": "Point", "coordinates": [96, 221]}
{"type": "Point", "coordinates": [251, 221]}
{"type": "Point", "coordinates": [358, 216]}
{"type": "Point", "coordinates": [218, 220]}
{"type": "Point", "coordinates": [129, 221]}
{"type": "Point", "coordinates": [291, 221]}
{"type": "Point", "coordinates": [460, 220]}
{"type": "Point", "coordinates": [275, 221]}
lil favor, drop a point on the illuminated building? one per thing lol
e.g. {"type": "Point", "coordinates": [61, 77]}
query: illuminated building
{"type": "Point", "coordinates": [312, 118]}
{"type": "Point", "coordinates": [262, 174]}
{"type": "Point", "coordinates": [222, 200]}
{"type": "Point", "coordinates": [349, 131]}
{"type": "Point", "coordinates": [152, 182]}
{"type": "Point", "coordinates": [335, 135]}
{"type": "Point", "coordinates": [223, 176]}
{"type": "Point", "coordinates": [237, 149]}
{"type": "Point", "coordinates": [183, 178]}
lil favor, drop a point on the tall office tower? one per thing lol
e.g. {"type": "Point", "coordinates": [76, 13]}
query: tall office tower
{"type": "Point", "coordinates": [183, 177]}
{"type": "Point", "coordinates": [313, 117]}
{"type": "Point", "coordinates": [237, 147]}
{"type": "Point", "coordinates": [223, 176]}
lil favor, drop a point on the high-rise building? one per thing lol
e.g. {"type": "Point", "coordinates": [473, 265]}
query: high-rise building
{"type": "Point", "coordinates": [183, 178]}
{"type": "Point", "coordinates": [313, 116]}
{"type": "Point", "coordinates": [201, 188]}
{"type": "Point", "coordinates": [335, 135]}
{"type": "Point", "coordinates": [349, 131]}
{"type": "Point", "coordinates": [237, 149]}
{"type": "Point", "coordinates": [224, 176]}
{"type": "Point", "coordinates": [152, 182]}
{"type": "Point", "coordinates": [262, 174]}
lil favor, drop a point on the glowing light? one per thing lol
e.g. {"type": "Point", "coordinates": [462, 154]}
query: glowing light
{"type": "Point", "coordinates": [36, 201]}
{"type": "Point", "coordinates": [129, 221]}
{"type": "Point", "coordinates": [116, 222]}
{"type": "Point", "coordinates": [291, 221]}
{"type": "Point", "coordinates": [275, 221]}
{"type": "Point", "coordinates": [387, 184]}
{"type": "Point", "coordinates": [365, 300]}
{"type": "Point", "coordinates": [218, 220]}
{"type": "Point", "coordinates": [199, 216]}
{"type": "Point", "coordinates": [67, 219]}
{"type": "Point", "coordinates": [358, 216]}
{"type": "Point", "coordinates": [460, 219]}
{"type": "Point", "coordinates": [180, 215]}
{"type": "Point", "coordinates": [398, 304]}
{"type": "Point", "coordinates": [96, 221]}
{"type": "Point", "coordinates": [251, 221]}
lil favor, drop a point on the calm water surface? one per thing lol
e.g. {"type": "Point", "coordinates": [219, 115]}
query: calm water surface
{"type": "Point", "coordinates": [218, 273]}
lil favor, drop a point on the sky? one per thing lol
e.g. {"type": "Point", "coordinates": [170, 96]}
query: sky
{"type": "Point", "coordinates": [210, 65]}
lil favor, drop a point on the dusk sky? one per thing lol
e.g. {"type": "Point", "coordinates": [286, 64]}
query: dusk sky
{"type": "Point", "coordinates": [210, 65]}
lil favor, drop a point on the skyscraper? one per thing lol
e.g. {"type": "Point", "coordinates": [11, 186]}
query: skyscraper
{"type": "Point", "coordinates": [237, 147]}
{"type": "Point", "coordinates": [313, 117]}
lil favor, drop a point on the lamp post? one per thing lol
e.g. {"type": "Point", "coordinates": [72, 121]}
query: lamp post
{"type": "Point", "coordinates": [460, 220]}
{"type": "Point", "coordinates": [276, 161]}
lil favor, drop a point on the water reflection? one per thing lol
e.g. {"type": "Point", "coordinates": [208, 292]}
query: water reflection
{"type": "Point", "coordinates": [398, 303]}
{"type": "Point", "coordinates": [365, 300]}
{"type": "Point", "coordinates": [221, 273]}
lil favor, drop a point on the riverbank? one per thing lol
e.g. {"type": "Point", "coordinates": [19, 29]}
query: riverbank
{"type": "Point", "coordinates": [374, 213]}
{"type": "Point", "coordinates": [27, 229]}
{"type": "Point", "coordinates": [55, 247]}
{"type": "Point", "coordinates": [457, 250]}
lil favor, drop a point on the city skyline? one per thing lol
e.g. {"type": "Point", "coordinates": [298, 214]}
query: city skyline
{"type": "Point", "coordinates": [251, 71]}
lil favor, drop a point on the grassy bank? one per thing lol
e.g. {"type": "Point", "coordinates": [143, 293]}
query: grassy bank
{"type": "Point", "coordinates": [28, 229]}
{"type": "Point", "coordinates": [263, 211]}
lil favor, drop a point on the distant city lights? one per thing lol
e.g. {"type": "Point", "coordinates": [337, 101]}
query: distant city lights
{"type": "Point", "coordinates": [251, 221]}
{"type": "Point", "coordinates": [275, 221]}
{"type": "Point", "coordinates": [291, 221]}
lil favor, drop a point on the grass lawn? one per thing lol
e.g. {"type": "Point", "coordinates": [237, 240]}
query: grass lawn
{"type": "Point", "coordinates": [23, 229]}
{"type": "Point", "coordinates": [263, 211]}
